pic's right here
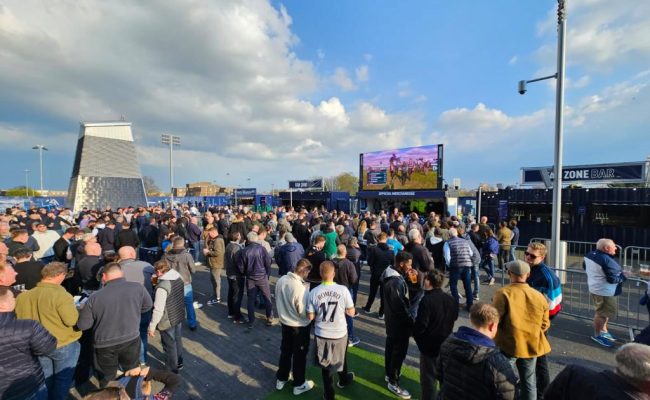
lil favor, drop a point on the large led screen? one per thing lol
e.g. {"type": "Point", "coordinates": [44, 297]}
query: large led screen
{"type": "Point", "coordinates": [412, 168]}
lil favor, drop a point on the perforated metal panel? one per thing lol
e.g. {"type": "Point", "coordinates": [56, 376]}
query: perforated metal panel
{"type": "Point", "coordinates": [106, 170]}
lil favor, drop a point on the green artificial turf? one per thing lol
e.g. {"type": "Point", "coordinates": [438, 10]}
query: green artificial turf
{"type": "Point", "coordinates": [368, 384]}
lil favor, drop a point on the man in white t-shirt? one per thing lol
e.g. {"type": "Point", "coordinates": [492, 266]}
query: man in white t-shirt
{"type": "Point", "coordinates": [328, 304]}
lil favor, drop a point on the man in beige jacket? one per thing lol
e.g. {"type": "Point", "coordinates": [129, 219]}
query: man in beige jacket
{"type": "Point", "coordinates": [523, 320]}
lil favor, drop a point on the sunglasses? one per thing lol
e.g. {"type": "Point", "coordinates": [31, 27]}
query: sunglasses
{"type": "Point", "coordinates": [527, 254]}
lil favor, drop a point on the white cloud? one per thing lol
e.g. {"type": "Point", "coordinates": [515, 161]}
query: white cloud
{"type": "Point", "coordinates": [513, 60]}
{"type": "Point", "coordinates": [362, 73]}
{"type": "Point", "coordinates": [342, 80]}
{"type": "Point", "coordinates": [601, 34]}
{"type": "Point", "coordinates": [222, 75]}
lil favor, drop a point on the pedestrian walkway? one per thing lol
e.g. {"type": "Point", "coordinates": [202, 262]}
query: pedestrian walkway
{"type": "Point", "coordinates": [226, 361]}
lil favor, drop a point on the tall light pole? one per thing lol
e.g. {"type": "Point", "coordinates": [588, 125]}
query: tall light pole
{"type": "Point", "coordinates": [556, 220]}
{"type": "Point", "coordinates": [171, 141]}
{"type": "Point", "coordinates": [27, 182]}
{"type": "Point", "coordinates": [40, 149]}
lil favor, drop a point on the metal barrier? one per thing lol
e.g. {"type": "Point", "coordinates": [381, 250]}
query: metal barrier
{"type": "Point", "coordinates": [636, 258]}
{"type": "Point", "coordinates": [577, 250]}
{"type": "Point", "coordinates": [577, 301]}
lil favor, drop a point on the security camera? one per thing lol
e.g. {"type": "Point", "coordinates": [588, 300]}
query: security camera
{"type": "Point", "coordinates": [522, 87]}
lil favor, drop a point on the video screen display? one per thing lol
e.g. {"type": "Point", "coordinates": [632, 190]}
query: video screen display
{"type": "Point", "coordinates": [412, 168]}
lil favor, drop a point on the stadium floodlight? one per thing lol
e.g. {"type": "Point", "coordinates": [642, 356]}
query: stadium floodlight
{"type": "Point", "coordinates": [171, 141]}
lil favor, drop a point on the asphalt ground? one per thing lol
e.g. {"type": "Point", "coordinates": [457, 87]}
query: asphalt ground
{"type": "Point", "coordinates": [224, 360]}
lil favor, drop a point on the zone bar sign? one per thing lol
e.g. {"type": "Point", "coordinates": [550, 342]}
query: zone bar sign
{"type": "Point", "coordinates": [602, 173]}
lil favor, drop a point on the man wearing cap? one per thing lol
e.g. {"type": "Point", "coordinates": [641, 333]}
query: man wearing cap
{"type": "Point", "coordinates": [523, 320]}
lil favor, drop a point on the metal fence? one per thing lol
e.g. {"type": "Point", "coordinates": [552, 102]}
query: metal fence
{"type": "Point", "coordinates": [577, 301]}
{"type": "Point", "coordinates": [636, 258]}
{"type": "Point", "coordinates": [577, 250]}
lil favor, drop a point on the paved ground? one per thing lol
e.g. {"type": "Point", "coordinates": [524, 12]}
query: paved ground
{"type": "Point", "coordinates": [225, 361]}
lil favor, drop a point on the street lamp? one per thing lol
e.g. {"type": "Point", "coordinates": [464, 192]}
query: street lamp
{"type": "Point", "coordinates": [559, 117]}
{"type": "Point", "coordinates": [171, 141]}
{"type": "Point", "coordinates": [40, 149]}
{"type": "Point", "coordinates": [27, 182]}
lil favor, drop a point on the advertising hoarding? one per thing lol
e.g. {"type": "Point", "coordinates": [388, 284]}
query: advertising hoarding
{"type": "Point", "coordinates": [411, 168]}
{"type": "Point", "coordinates": [306, 184]}
{"type": "Point", "coordinates": [597, 173]}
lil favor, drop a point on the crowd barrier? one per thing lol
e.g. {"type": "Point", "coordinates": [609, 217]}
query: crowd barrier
{"type": "Point", "coordinates": [636, 258]}
{"type": "Point", "coordinates": [577, 301]}
{"type": "Point", "coordinates": [577, 250]}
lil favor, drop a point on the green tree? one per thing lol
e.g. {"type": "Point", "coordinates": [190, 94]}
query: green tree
{"type": "Point", "coordinates": [150, 186]}
{"type": "Point", "coordinates": [19, 191]}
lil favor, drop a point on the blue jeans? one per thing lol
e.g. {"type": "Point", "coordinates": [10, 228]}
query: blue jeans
{"type": "Point", "coordinates": [487, 264]}
{"type": "Point", "coordinates": [527, 377]}
{"type": "Point", "coordinates": [145, 318]}
{"type": "Point", "coordinates": [475, 279]}
{"type": "Point", "coordinates": [189, 305]}
{"type": "Point", "coordinates": [41, 394]}
{"type": "Point", "coordinates": [464, 275]}
{"type": "Point", "coordinates": [172, 343]}
{"type": "Point", "coordinates": [512, 252]}
{"type": "Point", "coordinates": [195, 250]}
{"type": "Point", "coordinates": [58, 368]}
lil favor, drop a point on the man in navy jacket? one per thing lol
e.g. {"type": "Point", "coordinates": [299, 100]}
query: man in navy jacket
{"type": "Point", "coordinates": [22, 342]}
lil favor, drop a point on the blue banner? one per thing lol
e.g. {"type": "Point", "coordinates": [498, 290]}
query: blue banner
{"type": "Point", "coordinates": [413, 194]}
{"type": "Point", "coordinates": [246, 192]}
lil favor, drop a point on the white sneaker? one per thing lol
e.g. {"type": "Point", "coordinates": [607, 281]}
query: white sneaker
{"type": "Point", "coordinates": [197, 305]}
{"type": "Point", "coordinates": [198, 263]}
{"type": "Point", "coordinates": [279, 385]}
{"type": "Point", "coordinates": [305, 387]}
{"type": "Point", "coordinates": [399, 392]}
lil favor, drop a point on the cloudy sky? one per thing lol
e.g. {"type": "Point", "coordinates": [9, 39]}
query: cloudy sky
{"type": "Point", "coordinates": [273, 91]}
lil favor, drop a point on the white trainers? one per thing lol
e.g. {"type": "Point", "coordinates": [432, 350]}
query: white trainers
{"type": "Point", "coordinates": [279, 385]}
{"type": "Point", "coordinates": [305, 387]}
{"type": "Point", "coordinates": [399, 392]}
{"type": "Point", "coordinates": [197, 305]}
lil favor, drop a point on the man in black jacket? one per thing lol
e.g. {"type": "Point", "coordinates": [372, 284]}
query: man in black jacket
{"type": "Point", "coordinates": [114, 314]}
{"type": "Point", "coordinates": [380, 257]}
{"type": "Point", "coordinates": [437, 312]}
{"type": "Point", "coordinates": [399, 321]}
{"type": "Point", "coordinates": [470, 366]}
{"type": "Point", "coordinates": [22, 342]}
{"type": "Point", "coordinates": [316, 256]}
{"type": "Point", "coordinates": [254, 263]}
{"type": "Point", "coordinates": [62, 245]}
{"type": "Point", "coordinates": [106, 236]}
{"type": "Point", "coordinates": [126, 237]}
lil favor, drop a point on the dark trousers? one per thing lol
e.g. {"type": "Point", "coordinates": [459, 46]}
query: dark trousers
{"type": "Point", "coordinates": [394, 355]}
{"type": "Point", "coordinates": [328, 378]}
{"type": "Point", "coordinates": [253, 287]}
{"type": "Point", "coordinates": [293, 353]}
{"type": "Point", "coordinates": [463, 274]}
{"type": "Point", "coordinates": [375, 284]}
{"type": "Point", "coordinates": [172, 344]}
{"type": "Point", "coordinates": [84, 365]}
{"type": "Point", "coordinates": [543, 376]}
{"type": "Point", "coordinates": [235, 295]}
{"type": "Point", "coordinates": [109, 359]}
{"type": "Point", "coordinates": [428, 377]}
{"type": "Point", "coordinates": [145, 318]}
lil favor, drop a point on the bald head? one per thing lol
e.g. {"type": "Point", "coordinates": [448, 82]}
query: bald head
{"type": "Point", "coordinates": [4, 249]}
{"type": "Point", "coordinates": [126, 253]}
{"type": "Point", "coordinates": [93, 249]}
{"type": "Point", "coordinates": [7, 274]}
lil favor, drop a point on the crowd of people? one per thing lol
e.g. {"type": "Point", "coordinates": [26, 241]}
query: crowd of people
{"type": "Point", "coordinates": [81, 294]}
